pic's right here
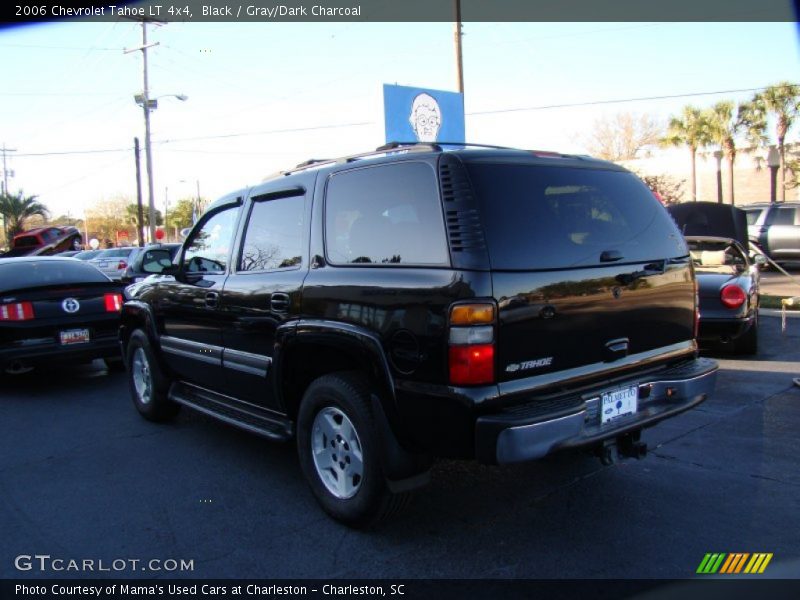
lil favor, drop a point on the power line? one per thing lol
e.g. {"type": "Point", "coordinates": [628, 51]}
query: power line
{"type": "Point", "coordinates": [615, 101]}
{"type": "Point", "coordinates": [65, 152]}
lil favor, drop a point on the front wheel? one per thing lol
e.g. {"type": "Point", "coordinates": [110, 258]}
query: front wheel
{"type": "Point", "coordinates": [77, 243]}
{"type": "Point", "coordinates": [338, 451]}
{"type": "Point", "coordinates": [148, 384]}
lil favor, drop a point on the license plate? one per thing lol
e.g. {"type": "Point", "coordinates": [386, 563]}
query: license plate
{"type": "Point", "coordinates": [74, 336]}
{"type": "Point", "coordinates": [618, 403]}
{"type": "Point", "coordinates": [102, 265]}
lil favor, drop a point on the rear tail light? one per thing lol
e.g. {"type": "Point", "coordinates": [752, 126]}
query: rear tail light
{"type": "Point", "coordinates": [471, 337]}
{"type": "Point", "coordinates": [122, 265]}
{"type": "Point", "coordinates": [732, 296]}
{"type": "Point", "coordinates": [16, 311]}
{"type": "Point", "coordinates": [113, 302]}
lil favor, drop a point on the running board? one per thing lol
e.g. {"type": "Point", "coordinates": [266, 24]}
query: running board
{"type": "Point", "coordinates": [232, 411]}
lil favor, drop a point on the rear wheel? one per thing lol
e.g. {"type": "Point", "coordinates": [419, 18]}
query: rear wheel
{"type": "Point", "coordinates": [338, 451]}
{"type": "Point", "coordinates": [77, 243]}
{"type": "Point", "coordinates": [148, 384]}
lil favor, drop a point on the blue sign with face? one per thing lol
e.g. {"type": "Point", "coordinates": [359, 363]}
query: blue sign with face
{"type": "Point", "coordinates": [423, 115]}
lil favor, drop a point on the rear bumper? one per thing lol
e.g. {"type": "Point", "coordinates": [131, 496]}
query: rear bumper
{"type": "Point", "coordinates": [107, 346]}
{"type": "Point", "coordinates": [723, 330]}
{"type": "Point", "coordinates": [533, 431]}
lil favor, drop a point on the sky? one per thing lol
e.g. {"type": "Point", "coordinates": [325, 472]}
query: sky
{"type": "Point", "coordinates": [264, 97]}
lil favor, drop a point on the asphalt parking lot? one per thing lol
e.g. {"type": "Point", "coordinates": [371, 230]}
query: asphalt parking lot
{"type": "Point", "coordinates": [82, 476]}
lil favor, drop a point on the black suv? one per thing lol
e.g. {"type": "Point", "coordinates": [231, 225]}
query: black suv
{"type": "Point", "coordinates": [415, 302]}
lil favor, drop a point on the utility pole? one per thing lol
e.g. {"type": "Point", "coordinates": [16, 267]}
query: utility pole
{"type": "Point", "coordinates": [148, 154]}
{"type": "Point", "coordinates": [147, 106]}
{"type": "Point", "coordinates": [459, 59]}
{"type": "Point", "coordinates": [140, 211]}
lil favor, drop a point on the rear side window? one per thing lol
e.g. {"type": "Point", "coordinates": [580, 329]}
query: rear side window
{"type": "Point", "coordinates": [26, 241]}
{"type": "Point", "coordinates": [29, 273]}
{"type": "Point", "coordinates": [552, 218]}
{"type": "Point", "coordinates": [274, 235]}
{"type": "Point", "coordinates": [385, 215]}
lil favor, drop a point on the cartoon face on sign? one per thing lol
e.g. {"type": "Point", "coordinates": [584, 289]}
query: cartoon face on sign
{"type": "Point", "coordinates": [425, 118]}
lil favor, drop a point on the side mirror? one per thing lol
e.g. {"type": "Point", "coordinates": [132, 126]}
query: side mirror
{"type": "Point", "coordinates": [157, 261]}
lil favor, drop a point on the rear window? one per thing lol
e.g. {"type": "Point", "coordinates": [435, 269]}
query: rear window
{"type": "Point", "coordinates": [37, 273]}
{"type": "Point", "coordinates": [553, 218]}
{"type": "Point", "coordinates": [114, 253]}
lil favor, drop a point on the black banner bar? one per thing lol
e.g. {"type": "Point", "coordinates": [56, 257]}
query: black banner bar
{"type": "Point", "coordinates": [277, 11]}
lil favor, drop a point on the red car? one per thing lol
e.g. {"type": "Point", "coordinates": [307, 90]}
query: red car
{"type": "Point", "coordinates": [45, 241]}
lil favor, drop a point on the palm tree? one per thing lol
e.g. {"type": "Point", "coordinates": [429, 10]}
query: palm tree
{"type": "Point", "coordinates": [724, 123]}
{"type": "Point", "coordinates": [16, 210]}
{"type": "Point", "coordinates": [782, 101]}
{"type": "Point", "coordinates": [690, 129]}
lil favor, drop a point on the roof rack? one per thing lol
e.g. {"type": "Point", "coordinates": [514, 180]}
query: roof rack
{"type": "Point", "coordinates": [386, 149]}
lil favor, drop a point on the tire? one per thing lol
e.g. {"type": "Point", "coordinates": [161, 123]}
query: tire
{"type": "Point", "coordinates": [114, 364]}
{"type": "Point", "coordinates": [147, 382]}
{"type": "Point", "coordinates": [77, 243]}
{"type": "Point", "coordinates": [748, 343]}
{"type": "Point", "coordinates": [338, 451]}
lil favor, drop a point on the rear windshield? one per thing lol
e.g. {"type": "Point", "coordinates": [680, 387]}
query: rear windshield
{"type": "Point", "coordinates": [114, 253]}
{"type": "Point", "coordinates": [555, 217]}
{"type": "Point", "coordinates": [16, 275]}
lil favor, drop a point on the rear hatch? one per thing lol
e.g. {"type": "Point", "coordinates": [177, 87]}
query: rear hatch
{"type": "Point", "coordinates": [587, 267]}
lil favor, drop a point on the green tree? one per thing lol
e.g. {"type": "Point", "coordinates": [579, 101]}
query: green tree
{"type": "Point", "coordinates": [725, 122]}
{"type": "Point", "coordinates": [782, 102]}
{"type": "Point", "coordinates": [17, 210]}
{"type": "Point", "coordinates": [689, 129]}
{"type": "Point", "coordinates": [180, 215]}
{"type": "Point", "coordinates": [132, 215]}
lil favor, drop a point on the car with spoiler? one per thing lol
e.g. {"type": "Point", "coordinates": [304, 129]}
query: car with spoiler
{"type": "Point", "coordinates": [56, 309]}
{"type": "Point", "coordinates": [727, 274]}
{"type": "Point", "coordinates": [421, 301]}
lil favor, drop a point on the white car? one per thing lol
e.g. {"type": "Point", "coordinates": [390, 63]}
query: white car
{"type": "Point", "coordinates": [114, 261]}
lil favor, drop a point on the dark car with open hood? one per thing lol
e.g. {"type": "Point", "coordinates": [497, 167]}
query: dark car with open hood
{"type": "Point", "coordinates": [727, 274]}
{"type": "Point", "coordinates": [56, 309]}
{"type": "Point", "coordinates": [423, 301]}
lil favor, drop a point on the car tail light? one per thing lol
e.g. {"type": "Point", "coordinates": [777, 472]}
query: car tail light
{"type": "Point", "coordinates": [113, 302]}
{"type": "Point", "coordinates": [16, 311]}
{"type": "Point", "coordinates": [471, 337]}
{"type": "Point", "coordinates": [122, 265]}
{"type": "Point", "coordinates": [732, 296]}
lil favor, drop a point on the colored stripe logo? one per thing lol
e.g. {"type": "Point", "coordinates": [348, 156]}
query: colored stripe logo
{"type": "Point", "coordinates": [734, 563]}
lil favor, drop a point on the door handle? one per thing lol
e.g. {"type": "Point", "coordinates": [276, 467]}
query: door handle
{"type": "Point", "coordinates": [212, 299]}
{"type": "Point", "coordinates": [279, 302]}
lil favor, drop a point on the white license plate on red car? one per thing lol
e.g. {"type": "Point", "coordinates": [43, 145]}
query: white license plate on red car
{"type": "Point", "coordinates": [74, 336]}
{"type": "Point", "coordinates": [618, 403]}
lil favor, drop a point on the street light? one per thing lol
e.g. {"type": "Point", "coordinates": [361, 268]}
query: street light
{"type": "Point", "coordinates": [149, 104]}
{"type": "Point", "coordinates": [773, 162]}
